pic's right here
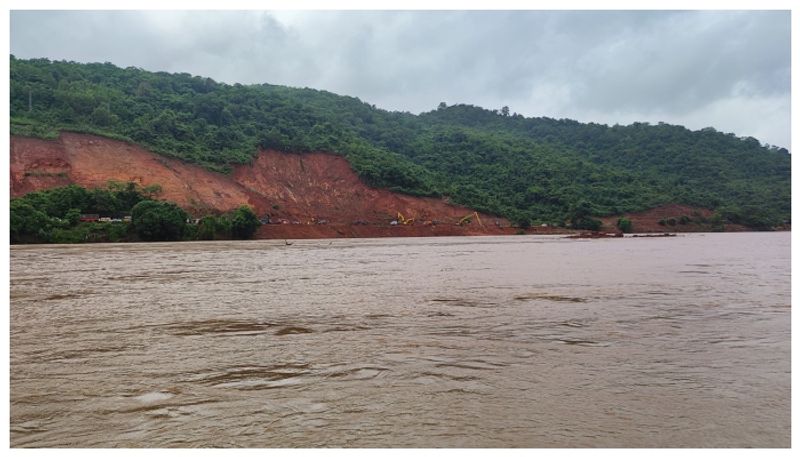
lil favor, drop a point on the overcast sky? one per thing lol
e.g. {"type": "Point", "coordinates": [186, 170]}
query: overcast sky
{"type": "Point", "coordinates": [728, 70]}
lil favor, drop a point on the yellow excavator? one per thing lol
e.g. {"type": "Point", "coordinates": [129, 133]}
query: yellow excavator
{"type": "Point", "coordinates": [401, 219]}
{"type": "Point", "coordinates": [468, 219]}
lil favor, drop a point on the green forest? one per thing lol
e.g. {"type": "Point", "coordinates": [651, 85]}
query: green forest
{"type": "Point", "coordinates": [55, 216]}
{"type": "Point", "coordinates": [530, 170]}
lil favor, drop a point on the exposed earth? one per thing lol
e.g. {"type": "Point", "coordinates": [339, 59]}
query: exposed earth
{"type": "Point", "coordinates": [305, 195]}
{"type": "Point", "coordinates": [308, 195]}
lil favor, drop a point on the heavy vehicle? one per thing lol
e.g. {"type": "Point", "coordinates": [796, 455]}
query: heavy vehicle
{"type": "Point", "coordinates": [402, 220]}
{"type": "Point", "coordinates": [468, 219]}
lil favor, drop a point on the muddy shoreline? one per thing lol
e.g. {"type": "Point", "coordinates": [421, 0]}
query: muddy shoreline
{"type": "Point", "coordinates": [279, 231]}
{"type": "Point", "coordinates": [323, 232]}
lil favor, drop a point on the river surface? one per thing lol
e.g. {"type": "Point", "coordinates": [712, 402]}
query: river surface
{"type": "Point", "coordinates": [518, 341]}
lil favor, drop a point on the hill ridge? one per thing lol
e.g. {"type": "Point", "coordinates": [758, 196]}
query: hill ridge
{"type": "Point", "coordinates": [530, 170]}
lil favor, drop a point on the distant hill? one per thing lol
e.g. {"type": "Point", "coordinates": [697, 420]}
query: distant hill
{"type": "Point", "coordinates": [530, 170]}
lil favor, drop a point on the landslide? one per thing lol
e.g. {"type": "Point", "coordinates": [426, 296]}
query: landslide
{"type": "Point", "coordinates": [669, 219]}
{"type": "Point", "coordinates": [315, 188]}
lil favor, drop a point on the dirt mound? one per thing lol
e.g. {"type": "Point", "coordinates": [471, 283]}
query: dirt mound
{"type": "Point", "coordinates": [308, 195]}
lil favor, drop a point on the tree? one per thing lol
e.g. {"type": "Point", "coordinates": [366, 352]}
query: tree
{"type": "Point", "coordinates": [442, 106]}
{"type": "Point", "coordinates": [504, 111]}
{"type": "Point", "coordinates": [158, 221]}
{"type": "Point", "coordinates": [28, 223]}
{"type": "Point", "coordinates": [587, 223]}
{"type": "Point", "coordinates": [208, 228]}
{"type": "Point", "coordinates": [625, 225]}
{"type": "Point", "coordinates": [73, 216]}
{"type": "Point", "coordinates": [57, 201]}
{"type": "Point", "coordinates": [717, 224]}
{"type": "Point", "coordinates": [127, 194]}
{"type": "Point", "coordinates": [244, 223]}
{"type": "Point", "coordinates": [102, 116]}
{"type": "Point", "coordinates": [580, 218]}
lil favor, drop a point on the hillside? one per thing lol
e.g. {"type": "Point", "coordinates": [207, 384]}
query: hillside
{"type": "Point", "coordinates": [310, 194]}
{"type": "Point", "coordinates": [529, 170]}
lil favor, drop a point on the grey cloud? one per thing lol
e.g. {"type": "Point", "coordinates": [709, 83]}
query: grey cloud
{"type": "Point", "coordinates": [729, 70]}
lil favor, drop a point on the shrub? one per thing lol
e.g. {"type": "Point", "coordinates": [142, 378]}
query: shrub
{"type": "Point", "coordinates": [28, 223]}
{"type": "Point", "coordinates": [158, 221]}
{"type": "Point", "coordinates": [244, 223]}
{"type": "Point", "coordinates": [625, 224]}
{"type": "Point", "coordinates": [73, 216]}
{"type": "Point", "coordinates": [717, 223]}
{"type": "Point", "coordinates": [587, 223]}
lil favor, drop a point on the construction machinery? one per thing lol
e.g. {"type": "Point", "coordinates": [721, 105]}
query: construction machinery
{"type": "Point", "coordinates": [402, 220]}
{"type": "Point", "coordinates": [468, 219]}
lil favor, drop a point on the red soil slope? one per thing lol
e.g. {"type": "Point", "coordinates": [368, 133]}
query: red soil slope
{"type": "Point", "coordinates": [648, 221]}
{"type": "Point", "coordinates": [300, 190]}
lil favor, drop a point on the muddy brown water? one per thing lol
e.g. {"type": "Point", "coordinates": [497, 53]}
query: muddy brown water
{"type": "Point", "coordinates": [530, 341]}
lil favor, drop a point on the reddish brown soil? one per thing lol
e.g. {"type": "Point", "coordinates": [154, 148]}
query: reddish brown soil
{"type": "Point", "coordinates": [312, 195]}
{"type": "Point", "coordinates": [92, 161]}
{"type": "Point", "coordinates": [647, 221]}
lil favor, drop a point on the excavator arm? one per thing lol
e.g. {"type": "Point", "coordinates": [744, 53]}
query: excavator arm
{"type": "Point", "coordinates": [469, 217]}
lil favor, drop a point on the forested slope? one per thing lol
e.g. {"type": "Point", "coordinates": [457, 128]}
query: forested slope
{"type": "Point", "coordinates": [531, 170]}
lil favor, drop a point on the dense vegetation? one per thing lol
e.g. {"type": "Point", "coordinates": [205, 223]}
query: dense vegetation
{"type": "Point", "coordinates": [153, 220]}
{"type": "Point", "coordinates": [54, 216]}
{"type": "Point", "coordinates": [531, 170]}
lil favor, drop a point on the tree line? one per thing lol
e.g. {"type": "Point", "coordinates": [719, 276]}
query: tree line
{"type": "Point", "coordinates": [58, 216]}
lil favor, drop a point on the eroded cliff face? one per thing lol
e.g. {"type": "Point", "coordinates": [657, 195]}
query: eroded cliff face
{"type": "Point", "coordinates": [300, 189]}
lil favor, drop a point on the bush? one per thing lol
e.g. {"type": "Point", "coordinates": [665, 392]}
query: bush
{"type": "Point", "coordinates": [587, 223]}
{"type": "Point", "coordinates": [158, 221]}
{"type": "Point", "coordinates": [213, 228]}
{"type": "Point", "coordinates": [206, 228]}
{"type": "Point", "coordinates": [625, 225]}
{"type": "Point", "coordinates": [717, 223]}
{"type": "Point", "coordinates": [28, 224]}
{"type": "Point", "coordinates": [92, 233]}
{"type": "Point", "coordinates": [73, 216]}
{"type": "Point", "coordinates": [244, 223]}
{"type": "Point", "coordinates": [78, 234]}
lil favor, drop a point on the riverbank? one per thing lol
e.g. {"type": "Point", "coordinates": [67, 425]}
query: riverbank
{"type": "Point", "coordinates": [288, 231]}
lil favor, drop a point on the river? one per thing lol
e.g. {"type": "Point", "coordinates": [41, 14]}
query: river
{"type": "Point", "coordinates": [517, 341]}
